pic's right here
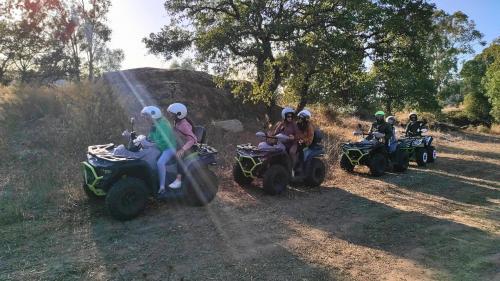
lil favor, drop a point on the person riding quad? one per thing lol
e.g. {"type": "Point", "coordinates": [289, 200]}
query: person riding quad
{"type": "Point", "coordinates": [288, 127]}
{"type": "Point", "coordinates": [382, 127]}
{"type": "Point", "coordinates": [305, 134]}
{"type": "Point", "coordinates": [184, 131]}
{"type": "Point", "coordinates": [414, 126]}
{"type": "Point", "coordinates": [393, 141]}
{"type": "Point", "coordinates": [161, 135]}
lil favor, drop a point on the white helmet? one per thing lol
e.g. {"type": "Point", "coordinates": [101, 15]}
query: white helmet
{"type": "Point", "coordinates": [152, 111]}
{"type": "Point", "coordinates": [411, 114]}
{"type": "Point", "coordinates": [285, 111]}
{"type": "Point", "coordinates": [305, 114]}
{"type": "Point", "coordinates": [390, 119]}
{"type": "Point", "coordinates": [178, 109]}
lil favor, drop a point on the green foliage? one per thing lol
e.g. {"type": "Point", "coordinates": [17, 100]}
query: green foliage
{"type": "Point", "coordinates": [315, 50]}
{"type": "Point", "coordinates": [46, 40]}
{"type": "Point", "coordinates": [477, 106]}
{"type": "Point", "coordinates": [491, 80]}
{"type": "Point", "coordinates": [453, 35]}
{"type": "Point", "coordinates": [480, 84]}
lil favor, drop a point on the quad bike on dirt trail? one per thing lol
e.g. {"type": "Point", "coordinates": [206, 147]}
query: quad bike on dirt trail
{"type": "Point", "coordinates": [373, 153]}
{"type": "Point", "coordinates": [419, 148]}
{"type": "Point", "coordinates": [127, 176]}
{"type": "Point", "coordinates": [273, 164]}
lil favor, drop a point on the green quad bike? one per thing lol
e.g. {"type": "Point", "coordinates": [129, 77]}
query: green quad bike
{"type": "Point", "coordinates": [373, 153]}
{"type": "Point", "coordinates": [419, 148]}
{"type": "Point", "coordinates": [273, 164]}
{"type": "Point", "coordinates": [127, 176]}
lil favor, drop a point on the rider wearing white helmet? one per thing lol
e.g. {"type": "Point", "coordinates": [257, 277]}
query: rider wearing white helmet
{"type": "Point", "coordinates": [414, 126]}
{"type": "Point", "coordinates": [152, 111]}
{"type": "Point", "coordinates": [391, 120]}
{"type": "Point", "coordinates": [306, 129]}
{"type": "Point", "coordinates": [305, 133]}
{"type": "Point", "coordinates": [162, 135]}
{"type": "Point", "coordinates": [184, 129]}
{"type": "Point", "coordinates": [288, 127]}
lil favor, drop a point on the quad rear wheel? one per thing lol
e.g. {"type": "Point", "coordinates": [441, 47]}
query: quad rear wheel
{"type": "Point", "coordinates": [402, 160]}
{"type": "Point", "coordinates": [316, 172]}
{"type": "Point", "coordinates": [201, 186]}
{"type": "Point", "coordinates": [377, 164]}
{"type": "Point", "coordinates": [276, 179]}
{"type": "Point", "coordinates": [431, 154]}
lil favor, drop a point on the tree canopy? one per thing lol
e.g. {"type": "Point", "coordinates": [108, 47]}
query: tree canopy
{"type": "Point", "coordinates": [46, 40]}
{"type": "Point", "coordinates": [396, 54]}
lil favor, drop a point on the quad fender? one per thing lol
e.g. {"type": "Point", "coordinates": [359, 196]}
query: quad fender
{"type": "Point", "coordinates": [281, 159]}
{"type": "Point", "coordinates": [139, 170]}
{"type": "Point", "coordinates": [379, 149]}
{"type": "Point", "coordinates": [428, 140]}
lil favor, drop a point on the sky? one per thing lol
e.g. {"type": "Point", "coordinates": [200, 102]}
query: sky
{"type": "Point", "coordinates": [132, 20]}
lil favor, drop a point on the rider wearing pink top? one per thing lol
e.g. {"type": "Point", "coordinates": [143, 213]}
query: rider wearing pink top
{"type": "Point", "coordinates": [185, 130]}
{"type": "Point", "coordinates": [186, 138]}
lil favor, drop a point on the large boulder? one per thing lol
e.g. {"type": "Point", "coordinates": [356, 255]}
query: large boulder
{"type": "Point", "coordinates": [233, 125]}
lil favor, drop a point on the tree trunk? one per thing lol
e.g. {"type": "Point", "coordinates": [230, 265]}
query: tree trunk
{"type": "Point", "coordinates": [91, 66]}
{"type": "Point", "coordinates": [388, 107]}
{"type": "Point", "coordinates": [304, 91]}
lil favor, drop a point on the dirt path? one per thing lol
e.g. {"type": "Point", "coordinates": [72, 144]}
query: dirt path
{"type": "Point", "coordinates": [439, 222]}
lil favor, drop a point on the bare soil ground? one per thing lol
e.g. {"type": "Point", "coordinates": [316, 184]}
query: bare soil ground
{"type": "Point", "coordinates": [440, 222]}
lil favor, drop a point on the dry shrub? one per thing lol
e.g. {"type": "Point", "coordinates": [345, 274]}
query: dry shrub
{"type": "Point", "coordinates": [50, 128]}
{"type": "Point", "coordinates": [495, 129]}
{"type": "Point", "coordinates": [482, 129]}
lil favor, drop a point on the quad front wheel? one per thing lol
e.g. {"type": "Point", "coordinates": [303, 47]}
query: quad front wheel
{"type": "Point", "coordinates": [239, 177]}
{"type": "Point", "coordinates": [346, 164]}
{"type": "Point", "coordinates": [276, 179]}
{"type": "Point", "coordinates": [421, 156]}
{"type": "Point", "coordinates": [127, 198]}
{"type": "Point", "coordinates": [90, 194]}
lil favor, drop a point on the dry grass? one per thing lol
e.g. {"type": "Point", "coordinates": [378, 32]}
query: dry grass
{"type": "Point", "coordinates": [46, 132]}
{"type": "Point", "coordinates": [439, 222]}
{"type": "Point", "coordinates": [495, 129]}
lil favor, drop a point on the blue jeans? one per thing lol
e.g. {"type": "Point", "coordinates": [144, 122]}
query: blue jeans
{"type": "Point", "coordinates": [165, 157]}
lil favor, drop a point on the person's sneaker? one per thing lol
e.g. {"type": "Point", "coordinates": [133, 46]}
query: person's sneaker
{"type": "Point", "coordinates": [161, 190]}
{"type": "Point", "coordinates": [175, 184]}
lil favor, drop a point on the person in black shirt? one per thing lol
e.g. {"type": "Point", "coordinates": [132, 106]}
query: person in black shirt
{"type": "Point", "coordinates": [414, 126]}
{"type": "Point", "coordinates": [382, 127]}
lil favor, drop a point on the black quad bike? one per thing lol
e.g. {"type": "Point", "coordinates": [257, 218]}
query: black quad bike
{"type": "Point", "coordinates": [274, 165]}
{"type": "Point", "coordinates": [127, 176]}
{"type": "Point", "coordinates": [373, 153]}
{"type": "Point", "coordinates": [419, 148]}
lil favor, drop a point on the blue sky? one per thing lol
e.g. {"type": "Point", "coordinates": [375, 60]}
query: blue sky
{"type": "Point", "coordinates": [131, 20]}
{"type": "Point", "coordinates": [485, 13]}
